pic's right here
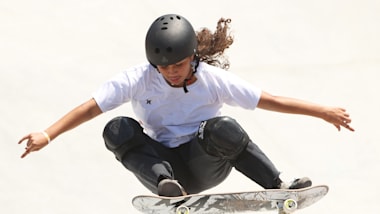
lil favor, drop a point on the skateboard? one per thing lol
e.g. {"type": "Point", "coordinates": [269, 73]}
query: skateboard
{"type": "Point", "coordinates": [282, 200]}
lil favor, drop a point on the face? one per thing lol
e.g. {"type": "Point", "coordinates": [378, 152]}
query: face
{"type": "Point", "coordinates": [175, 74]}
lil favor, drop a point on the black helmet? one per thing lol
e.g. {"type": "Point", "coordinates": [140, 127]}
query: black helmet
{"type": "Point", "coordinates": [170, 39]}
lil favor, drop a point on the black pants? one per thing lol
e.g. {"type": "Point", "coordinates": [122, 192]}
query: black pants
{"type": "Point", "coordinates": [189, 164]}
{"type": "Point", "coordinates": [195, 169]}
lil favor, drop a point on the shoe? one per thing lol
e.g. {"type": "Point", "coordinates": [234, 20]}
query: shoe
{"type": "Point", "coordinates": [170, 188]}
{"type": "Point", "coordinates": [298, 183]}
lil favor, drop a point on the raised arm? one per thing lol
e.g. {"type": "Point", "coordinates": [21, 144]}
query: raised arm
{"type": "Point", "coordinates": [82, 113]}
{"type": "Point", "coordinates": [334, 115]}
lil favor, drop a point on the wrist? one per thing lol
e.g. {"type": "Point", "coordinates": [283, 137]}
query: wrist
{"type": "Point", "coordinates": [46, 135]}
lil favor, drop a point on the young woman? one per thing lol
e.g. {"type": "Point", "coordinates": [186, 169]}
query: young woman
{"type": "Point", "coordinates": [181, 143]}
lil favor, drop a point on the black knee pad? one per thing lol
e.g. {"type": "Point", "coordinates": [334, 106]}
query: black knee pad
{"type": "Point", "coordinates": [121, 134]}
{"type": "Point", "coordinates": [222, 137]}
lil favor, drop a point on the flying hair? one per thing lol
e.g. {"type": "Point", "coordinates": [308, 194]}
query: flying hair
{"type": "Point", "coordinates": [211, 45]}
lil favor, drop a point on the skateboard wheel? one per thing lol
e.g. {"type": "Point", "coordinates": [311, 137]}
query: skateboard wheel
{"type": "Point", "coordinates": [182, 210]}
{"type": "Point", "coordinates": [290, 205]}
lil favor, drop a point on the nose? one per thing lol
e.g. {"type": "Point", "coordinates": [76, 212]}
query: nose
{"type": "Point", "coordinates": [171, 69]}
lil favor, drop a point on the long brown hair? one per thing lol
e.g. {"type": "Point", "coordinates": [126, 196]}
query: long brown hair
{"type": "Point", "coordinates": [211, 45]}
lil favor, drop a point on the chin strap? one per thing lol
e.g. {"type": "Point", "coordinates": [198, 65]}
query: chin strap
{"type": "Point", "coordinates": [194, 66]}
{"type": "Point", "coordinates": [185, 82]}
{"type": "Point", "coordinates": [184, 86]}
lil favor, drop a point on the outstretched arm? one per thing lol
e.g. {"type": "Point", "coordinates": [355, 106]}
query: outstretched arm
{"type": "Point", "coordinates": [38, 140]}
{"type": "Point", "coordinates": [334, 115]}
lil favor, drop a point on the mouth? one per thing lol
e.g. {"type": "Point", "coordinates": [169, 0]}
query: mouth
{"type": "Point", "coordinates": [176, 80]}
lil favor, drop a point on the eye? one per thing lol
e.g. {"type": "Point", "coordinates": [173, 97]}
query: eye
{"type": "Point", "coordinates": [162, 67]}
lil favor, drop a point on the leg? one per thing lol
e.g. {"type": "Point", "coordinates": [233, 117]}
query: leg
{"type": "Point", "coordinates": [208, 157]}
{"type": "Point", "coordinates": [223, 137]}
{"type": "Point", "coordinates": [254, 164]}
{"type": "Point", "coordinates": [125, 138]}
{"type": "Point", "coordinates": [148, 166]}
{"type": "Point", "coordinates": [203, 171]}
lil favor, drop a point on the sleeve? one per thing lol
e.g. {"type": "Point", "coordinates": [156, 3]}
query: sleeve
{"type": "Point", "coordinates": [239, 92]}
{"type": "Point", "coordinates": [113, 93]}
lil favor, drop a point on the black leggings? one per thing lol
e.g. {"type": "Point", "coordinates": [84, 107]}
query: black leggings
{"type": "Point", "coordinates": [190, 164]}
{"type": "Point", "coordinates": [195, 170]}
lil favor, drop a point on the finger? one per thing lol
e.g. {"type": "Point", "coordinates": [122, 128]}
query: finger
{"type": "Point", "coordinates": [346, 120]}
{"type": "Point", "coordinates": [29, 143]}
{"type": "Point", "coordinates": [349, 128]}
{"type": "Point", "coordinates": [346, 124]}
{"type": "Point", "coordinates": [25, 153]}
{"type": "Point", "coordinates": [343, 109]}
{"type": "Point", "coordinates": [24, 138]}
{"type": "Point", "coordinates": [29, 148]}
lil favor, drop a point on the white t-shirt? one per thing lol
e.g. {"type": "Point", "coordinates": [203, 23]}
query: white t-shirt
{"type": "Point", "coordinates": [168, 114]}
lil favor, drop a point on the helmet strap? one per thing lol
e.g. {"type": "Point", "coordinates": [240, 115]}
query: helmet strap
{"type": "Point", "coordinates": [194, 65]}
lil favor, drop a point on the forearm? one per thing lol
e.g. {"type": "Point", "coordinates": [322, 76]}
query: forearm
{"type": "Point", "coordinates": [334, 115]}
{"type": "Point", "coordinates": [74, 118]}
{"type": "Point", "coordinates": [291, 106]}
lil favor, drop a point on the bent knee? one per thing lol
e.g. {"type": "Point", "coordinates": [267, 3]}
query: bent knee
{"type": "Point", "coordinates": [121, 134]}
{"type": "Point", "coordinates": [222, 137]}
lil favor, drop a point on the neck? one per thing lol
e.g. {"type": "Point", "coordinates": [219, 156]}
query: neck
{"type": "Point", "coordinates": [190, 79]}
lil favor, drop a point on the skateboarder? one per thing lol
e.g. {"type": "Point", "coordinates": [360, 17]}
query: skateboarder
{"type": "Point", "coordinates": [180, 142]}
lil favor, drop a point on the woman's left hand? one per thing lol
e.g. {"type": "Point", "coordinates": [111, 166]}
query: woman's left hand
{"type": "Point", "coordinates": [338, 117]}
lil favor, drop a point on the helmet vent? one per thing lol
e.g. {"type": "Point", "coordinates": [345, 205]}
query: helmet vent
{"type": "Point", "coordinates": [169, 49]}
{"type": "Point", "coordinates": [164, 27]}
{"type": "Point", "coordinates": [157, 50]}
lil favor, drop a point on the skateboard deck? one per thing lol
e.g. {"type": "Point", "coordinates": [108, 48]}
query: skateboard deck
{"type": "Point", "coordinates": [282, 200]}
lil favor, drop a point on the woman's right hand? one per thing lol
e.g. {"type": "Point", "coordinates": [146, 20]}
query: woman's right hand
{"type": "Point", "coordinates": [82, 113]}
{"type": "Point", "coordinates": [34, 142]}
